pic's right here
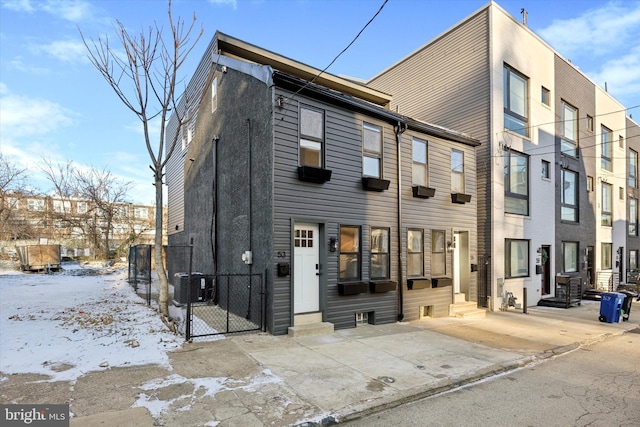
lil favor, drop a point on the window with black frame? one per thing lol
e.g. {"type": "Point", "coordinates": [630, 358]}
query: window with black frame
{"type": "Point", "coordinates": [516, 258]}
{"type": "Point", "coordinates": [380, 253]}
{"type": "Point", "coordinates": [349, 269]}
{"type": "Point", "coordinates": [516, 98]}
{"type": "Point", "coordinates": [569, 196]}
{"type": "Point", "coordinates": [415, 253]}
{"type": "Point", "coordinates": [311, 137]}
{"type": "Point", "coordinates": [516, 183]}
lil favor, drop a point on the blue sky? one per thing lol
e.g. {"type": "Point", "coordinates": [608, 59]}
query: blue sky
{"type": "Point", "coordinates": [54, 104]}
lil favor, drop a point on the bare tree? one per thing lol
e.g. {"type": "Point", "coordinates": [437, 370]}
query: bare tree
{"type": "Point", "coordinates": [65, 189]}
{"type": "Point", "coordinates": [103, 193]}
{"type": "Point", "coordinates": [12, 189]}
{"type": "Point", "coordinates": [107, 194]}
{"type": "Point", "coordinates": [145, 80]}
{"type": "Point", "coordinates": [12, 178]}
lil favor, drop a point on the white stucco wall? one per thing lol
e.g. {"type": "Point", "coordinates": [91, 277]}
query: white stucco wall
{"type": "Point", "coordinates": [610, 113]}
{"type": "Point", "coordinates": [515, 45]}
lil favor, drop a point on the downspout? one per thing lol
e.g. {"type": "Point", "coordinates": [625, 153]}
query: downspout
{"type": "Point", "coordinates": [214, 207]}
{"type": "Point", "coordinates": [399, 130]}
{"type": "Point", "coordinates": [213, 232]}
{"type": "Point", "coordinates": [250, 153]}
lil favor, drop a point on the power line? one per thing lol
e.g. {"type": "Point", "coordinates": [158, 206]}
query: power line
{"type": "Point", "coordinates": [340, 54]}
{"type": "Point", "coordinates": [576, 119]}
{"type": "Point", "coordinates": [551, 149]}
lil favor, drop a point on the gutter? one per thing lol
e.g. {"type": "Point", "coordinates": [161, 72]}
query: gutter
{"type": "Point", "coordinates": [399, 130]}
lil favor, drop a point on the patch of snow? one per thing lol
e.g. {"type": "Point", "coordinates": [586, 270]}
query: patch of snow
{"type": "Point", "coordinates": [64, 325]}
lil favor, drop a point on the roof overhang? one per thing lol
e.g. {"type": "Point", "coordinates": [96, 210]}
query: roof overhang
{"type": "Point", "coordinates": [337, 98]}
{"type": "Point", "coordinates": [233, 47]}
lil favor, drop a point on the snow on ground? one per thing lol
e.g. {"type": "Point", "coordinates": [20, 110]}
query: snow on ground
{"type": "Point", "coordinates": [78, 320]}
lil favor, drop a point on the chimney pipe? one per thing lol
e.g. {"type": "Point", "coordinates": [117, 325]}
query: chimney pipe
{"type": "Point", "coordinates": [523, 11]}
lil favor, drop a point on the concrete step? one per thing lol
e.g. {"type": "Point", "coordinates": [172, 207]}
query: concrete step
{"type": "Point", "coordinates": [312, 329]}
{"type": "Point", "coordinates": [467, 310]}
{"type": "Point", "coordinates": [477, 313]}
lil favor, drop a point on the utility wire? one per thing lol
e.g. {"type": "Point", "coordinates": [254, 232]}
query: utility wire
{"type": "Point", "coordinates": [577, 118]}
{"type": "Point", "coordinates": [340, 54]}
{"type": "Point", "coordinates": [549, 149]}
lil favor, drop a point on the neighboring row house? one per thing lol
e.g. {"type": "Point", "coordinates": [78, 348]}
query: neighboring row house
{"type": "Point", "coordinates": [353, 212]}
{"type": "Point", "coordinates": [557, 168]}
{"type": "Point", "coordinates": [78, 225]}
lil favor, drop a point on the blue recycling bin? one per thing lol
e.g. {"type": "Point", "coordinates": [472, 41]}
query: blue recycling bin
{"type": "Point", "coordinates": [610, 306]}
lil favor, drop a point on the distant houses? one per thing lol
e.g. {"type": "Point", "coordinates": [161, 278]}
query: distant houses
{"type": "Point", "coordinates": [80, 227]}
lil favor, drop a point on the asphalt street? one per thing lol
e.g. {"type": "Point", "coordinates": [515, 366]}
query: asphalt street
{"type": "Point", "coordinates": [595, 385]}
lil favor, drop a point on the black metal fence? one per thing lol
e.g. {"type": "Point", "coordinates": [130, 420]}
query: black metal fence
{"type": "Point", "coordinates": [215, 303]}
{"type": "Point", "coordinates": [484, 290]}
{"type": "Point", "coordinates": [633, 277]}
{"type": "Point", "coordinates": [140, 268]}
{"type": "Point", "coordinates": [223, 303]}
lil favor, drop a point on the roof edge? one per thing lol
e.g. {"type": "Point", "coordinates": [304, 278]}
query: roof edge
{"type": "Point", "coordinates": [232, 46]}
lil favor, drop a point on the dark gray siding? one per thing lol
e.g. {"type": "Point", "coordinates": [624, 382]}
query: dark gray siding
{"type": "Point", "coordinates": [343, 201]}
{"type": "Point", "coordinates": [454, 66]}
{"type": "Point", "coordinates": [339, 201]}
{"type": "Point", "coordinates": [575, 89]}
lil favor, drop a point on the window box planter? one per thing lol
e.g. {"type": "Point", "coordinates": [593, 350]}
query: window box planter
{"type": "Point", "coordinates": [418, 284]}
{"type": "Point", "coordinates": [379, 287]}
{"type": "Point", "coordinates": [375, 184]}
{"type": "Point", "coordinates": [442, 282]}
{"type": "Point", "coordinates": [423, 192]}
{"type": "Point", "coordinates": [313, 174]}
{"type": "Point", "coordinates": [352, 288]}
{"type": "Point", "coordinates": [460, 198]}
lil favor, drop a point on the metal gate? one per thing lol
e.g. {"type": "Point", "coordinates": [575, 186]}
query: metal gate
{"type": "Point", "coordinates": [224, 303]}
{"type": "Point", "coordinates": [484, 290]}
{"type": "Point", "coordinates": [140, 268]}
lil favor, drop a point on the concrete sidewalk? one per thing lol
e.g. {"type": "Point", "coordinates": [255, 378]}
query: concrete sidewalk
{"type": "Point", "coordinates": [260, 380]}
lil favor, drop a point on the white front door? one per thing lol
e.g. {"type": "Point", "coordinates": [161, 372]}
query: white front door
{"type": "Point", "coordinates": [306, 269]}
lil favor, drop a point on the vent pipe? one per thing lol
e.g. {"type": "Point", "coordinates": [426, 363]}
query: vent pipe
{"type": "Point", "coordinates": [523, 11]}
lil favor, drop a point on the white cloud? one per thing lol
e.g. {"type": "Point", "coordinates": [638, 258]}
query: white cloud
{"type": "Point", "coordinates": [18, 5]}
{"type": "Point", "coordinates": [17, 64]}
{"type": "Point", "coordinates": [597, 31]}
{"type": "Point", "coordinates": [63, 50]}
{"type": "Point", "coordinates": [69, 10]}
{"type": "Point", "coordinates": [23, 116]}
{"type": "Point", "coordinates": [232, 3]}
{"type": "Point", "coordinates": [622, 76]}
